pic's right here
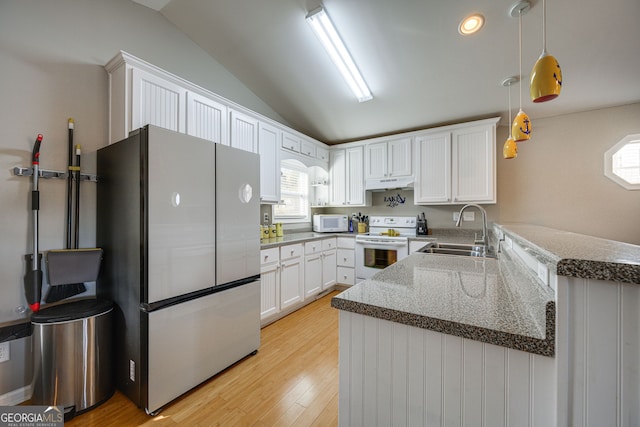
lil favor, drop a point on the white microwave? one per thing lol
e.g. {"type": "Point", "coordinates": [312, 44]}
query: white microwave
{"type": "Point", "coordinates": [330, 223]}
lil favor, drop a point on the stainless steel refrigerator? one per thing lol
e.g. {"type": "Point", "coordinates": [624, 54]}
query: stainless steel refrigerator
{"type": "Point", "coordinates": [176, 218]}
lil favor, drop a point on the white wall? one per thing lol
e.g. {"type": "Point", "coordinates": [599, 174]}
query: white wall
{"type": "Point", "coordinates": [52, 55]}
{"type": "Point", "coordinates": [558, 179]}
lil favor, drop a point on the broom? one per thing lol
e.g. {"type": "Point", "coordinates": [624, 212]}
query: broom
{"type": "Point", "coordinates": [63, 264]}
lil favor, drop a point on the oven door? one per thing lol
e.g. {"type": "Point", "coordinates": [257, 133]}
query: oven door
{"type": "Point", "coordinates": [372, 256]}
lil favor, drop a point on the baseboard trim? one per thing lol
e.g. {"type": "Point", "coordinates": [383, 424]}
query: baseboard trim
{"type": "Point", "coordinates": [15, 397]}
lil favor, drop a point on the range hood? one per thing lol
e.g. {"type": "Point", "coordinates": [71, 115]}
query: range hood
{"type": "Point", "coordinates": [388, 183]}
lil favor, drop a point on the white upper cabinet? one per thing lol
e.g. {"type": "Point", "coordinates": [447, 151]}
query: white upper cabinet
{"type": "Point", "coordinates": [206, 118]}
{"type": "Point", "coordinates": [433, 176]}
{"type": "Point", "coordinates": [322, 154]}
{"type": "Point", "coordinates": [244, 131]}
{"type": "Point", "coordinates": [456, 166]}
{"type": "Point", "coordinates": [156, 101]}
{"type": "Point", "coordinates": [473, 171]}
{"type": "Point", "coordinates": [347, 177]}
{"type": "Point", "coordinates": [307, 148]}
{"type": "Point", "coordinates": [387, 159]}
{"type": "Point", "coordinates": [269, 150]}
{"type": "Point", "coordinates": [290, 142]}
{"type": "Point", "coordinates": [338, 178]}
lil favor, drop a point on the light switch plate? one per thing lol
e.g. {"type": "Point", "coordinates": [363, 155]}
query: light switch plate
{"type": "Point", "coordinates": [4, 352]}
{"type": "Point", "coordinates": [456, 215]}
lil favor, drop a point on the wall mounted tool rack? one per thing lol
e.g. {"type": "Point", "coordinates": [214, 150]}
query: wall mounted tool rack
{"type": "Point", "coordinates": [18, 171]}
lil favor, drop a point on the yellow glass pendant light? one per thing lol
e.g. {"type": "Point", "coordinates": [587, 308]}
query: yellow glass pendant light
{"type": "Point", "coordinates": [546, 76]}
{"type": "Point", "coordinates": [510, 147]}
{"type": "Point", "coordinates": [521, 126]}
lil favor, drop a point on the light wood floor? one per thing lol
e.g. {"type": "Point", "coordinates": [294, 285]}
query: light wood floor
{"type": "Point", "coordinates": [292, 381]}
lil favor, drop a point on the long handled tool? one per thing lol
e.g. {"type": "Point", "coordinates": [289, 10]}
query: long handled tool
{"type": "Point", "coordinates": [33, 278]}
{"type": "Point", "coordinates": [70, 268]}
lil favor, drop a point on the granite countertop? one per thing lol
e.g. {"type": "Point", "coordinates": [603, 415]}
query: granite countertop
{"type": "Point", "coordinates": [440, 235]}
{"type": "Point", "coordinates": [475, 298]}
{"type": "Point", "coordinates": [578, 255]}
{"type": "Point", "coordinates": [301, 237]}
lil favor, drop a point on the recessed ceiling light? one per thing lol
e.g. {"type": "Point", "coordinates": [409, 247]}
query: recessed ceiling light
{"type": "Point", "coordinates": [471, 24]}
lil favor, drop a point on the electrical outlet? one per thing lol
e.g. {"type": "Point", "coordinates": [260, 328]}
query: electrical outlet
{"type": "Point", "coordinates": [5, 355]}
{"type": "Point", "coordinates": [456, 215]}
{"type": "Point", "coordinates": [266, 218]}
{"type": "Point", "coordinates": [468, 216]}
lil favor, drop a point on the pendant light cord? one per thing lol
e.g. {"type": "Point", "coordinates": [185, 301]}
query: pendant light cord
{"type": "Point", "coordinates": [544, 26]}
{"type": "Point", "coordinates": [520, 43]}
{"type": "Point", "coordinates": [509, 102]}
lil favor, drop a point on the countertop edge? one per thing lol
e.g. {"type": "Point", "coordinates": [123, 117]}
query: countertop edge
{"type": "Point", "coordinates": [543, 347]}
{"type": "Point", "coordinates": [623, 271]}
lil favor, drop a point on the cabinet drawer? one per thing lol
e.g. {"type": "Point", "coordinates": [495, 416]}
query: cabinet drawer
{"type": "Point", "coordinates": [346, 257]}
{"type": "Point", "coordinates": [329, 244]}
{"type": "Point", "coordinates": [346, 276]}
{"type": "Point", "coordinates": [307, 148]}
{"type": "Point", "coordinates": [314, 247]}
{"type": "Point", "coordinates": [269, 255]}
{"type": "Point", "coordinates": [347, 242]}
{"type": "Point", "coordinates": [291, 251]}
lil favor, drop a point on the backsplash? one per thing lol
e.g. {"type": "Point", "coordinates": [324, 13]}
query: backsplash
{"type": "Point", "coordinates": [397, 203]}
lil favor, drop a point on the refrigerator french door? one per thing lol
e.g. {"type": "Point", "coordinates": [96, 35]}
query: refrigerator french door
{"type": "Point", "coordinates": [184, 312]}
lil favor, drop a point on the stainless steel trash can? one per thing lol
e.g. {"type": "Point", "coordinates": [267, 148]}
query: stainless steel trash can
{"type": "Point", "coordinates": [72, 346]}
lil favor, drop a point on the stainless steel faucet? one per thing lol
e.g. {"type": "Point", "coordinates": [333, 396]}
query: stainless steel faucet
{"type": "Point", "coordinates": [485, 235]}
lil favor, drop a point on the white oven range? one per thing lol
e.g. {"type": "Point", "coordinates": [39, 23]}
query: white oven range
{"type": "Point", "coordinates": [386, 243]}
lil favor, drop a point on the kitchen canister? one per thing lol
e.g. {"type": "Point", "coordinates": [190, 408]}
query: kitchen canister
{"type": "Point", "coordinates": [264, 232]}
{"type": "Point", "coordinates": [362, 227]}
{"type": "Point", "coordinates": [279, 231]}
{"type": "Point", "coordinates": [272, 231]}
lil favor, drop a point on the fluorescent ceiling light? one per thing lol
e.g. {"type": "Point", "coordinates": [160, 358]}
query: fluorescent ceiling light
{"type": "Point", "coordinates": [326, 32]}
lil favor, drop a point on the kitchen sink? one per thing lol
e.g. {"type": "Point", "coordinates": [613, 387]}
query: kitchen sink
{"type": "Point", "coordinates": [474, 250]}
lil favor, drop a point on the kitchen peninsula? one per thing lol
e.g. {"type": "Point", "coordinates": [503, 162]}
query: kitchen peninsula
{"type": "Point", "coordinates": [547, 334]}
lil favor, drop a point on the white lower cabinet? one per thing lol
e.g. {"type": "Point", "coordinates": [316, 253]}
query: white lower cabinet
{"type": "Point", "coordinates": [329, 258]}
{"type": "Point", "coordinates": [269, 282]}
{"type": "Point", "coordinates": [319, 266]}
{"type": "Point", "coordinates": [291, 276]}
{"type": "Point", "coordinates": [345, 261]}
{"type": "Point", "coordinates": [281, 281]}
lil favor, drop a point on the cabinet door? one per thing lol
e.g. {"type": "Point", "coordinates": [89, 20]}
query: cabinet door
{"type": "Point", "coordinates": [354, 176]}
{"type": "Point", "coordinates": [433, 176]}
{"type": "Point", "coordinates": [322, 154]}
{"type": "Point", "coordinates": [269, 290]}
{"type": "Point", "coordinates": [375, 160]}
{"type": "Point", "coordinates": [290, 142]}
{"type": "Point", "coordinates": [291, 282]}
{"type": "Point", "coordinates": [307, 148]}
{"type": "Point", "coordinates": [329, 268]}
{"type": "Point", "coordinates": [244, 131]}
{"type": "Point", "coordinates": [399, 157]}
{"type": "Point", "coordinates": [206, 119]}
{"type": "Point", "coordinates": [156, 101]}
{"type": "Point", "coordinates": [269, 150]}
{"type": "Point", "coordinates": [338, 178]}
{"type": "Point", "coordinates": [312, 274]}
{"type": "Point", "coordinates": [473, 170]}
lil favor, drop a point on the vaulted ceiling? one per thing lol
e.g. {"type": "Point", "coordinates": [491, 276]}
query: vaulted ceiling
{"type": "Point", "coordinates": [421, 71]}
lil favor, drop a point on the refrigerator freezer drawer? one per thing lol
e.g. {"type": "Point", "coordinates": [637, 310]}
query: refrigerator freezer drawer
{"type": "Point", "coordinates": [192, 341]}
